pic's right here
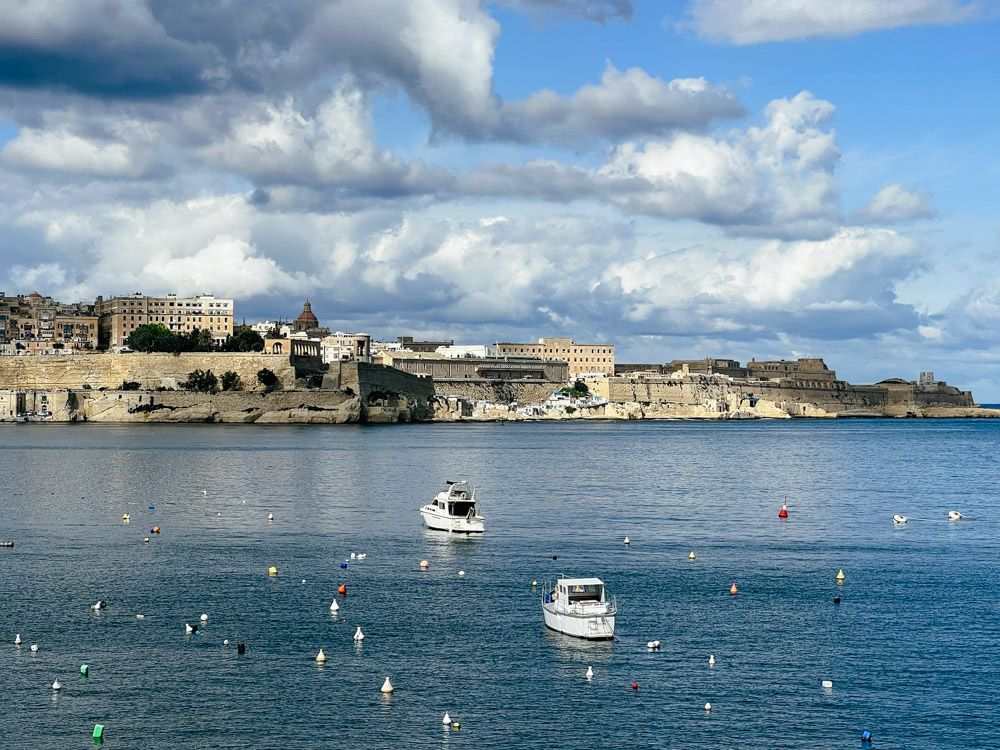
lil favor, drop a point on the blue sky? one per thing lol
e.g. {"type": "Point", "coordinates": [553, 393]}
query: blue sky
{"type": "Point", "coordinates": [688, 178]}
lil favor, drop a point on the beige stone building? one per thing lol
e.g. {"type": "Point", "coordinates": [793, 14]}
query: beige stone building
{"type": "Point", "coordinates": [582, 359]}
{"type": "Point", "coordinates": [35, 323]}
{"type": "Point", "coordinates": [119, 316]}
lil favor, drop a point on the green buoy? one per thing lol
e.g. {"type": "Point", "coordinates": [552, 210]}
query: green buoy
{"type": "Point", "coordinates": [98, 732]}
{"type": "Point", "coordinates": [84, 670]}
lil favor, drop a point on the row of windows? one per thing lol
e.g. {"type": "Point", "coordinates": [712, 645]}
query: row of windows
{"type": "Point", "coordinates": [575, 350]}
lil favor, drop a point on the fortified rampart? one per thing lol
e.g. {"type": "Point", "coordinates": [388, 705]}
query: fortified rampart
{"type": "Point", "coordinates": [151, 371]}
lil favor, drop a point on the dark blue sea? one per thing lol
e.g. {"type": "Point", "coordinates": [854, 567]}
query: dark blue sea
{"type": "Point", "coordinates": [913, 650]}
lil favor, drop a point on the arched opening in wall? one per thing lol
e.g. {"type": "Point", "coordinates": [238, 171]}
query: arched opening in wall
{"type": "Point", "coordinates": [277, 348]}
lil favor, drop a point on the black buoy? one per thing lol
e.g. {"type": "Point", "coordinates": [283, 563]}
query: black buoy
{"type": "Point", "coordinates": [836, 600]}
{"type": "Point", "coordinates": [103, 604]}
{"type": "Point", "coordinates": [241, 648]}
{"type": "Point", "coordinates": [555, 557]}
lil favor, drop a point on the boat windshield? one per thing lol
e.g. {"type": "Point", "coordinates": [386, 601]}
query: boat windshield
{"type": "Point", "coordinates": [586, 593]}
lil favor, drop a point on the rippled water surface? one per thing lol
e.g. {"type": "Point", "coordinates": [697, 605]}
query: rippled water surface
{"type": "Point", "coordinates": [913, 651]}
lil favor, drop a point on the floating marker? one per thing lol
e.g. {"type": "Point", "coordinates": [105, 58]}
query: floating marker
{"type": "Point", "coordinates": [321, 657]}
{"type": "Point", "coordinates": [954, 515]}
{"type": "Point", "coordinates": [57, 686]}
{"type": "Point", "coordinates": [190, 628]}
{"type": "Point", "coordinates": [125, 518]}
{"type": "Point", "coordinates": [866, 737]}
{"type": "Point", "coordinates": [635, 685]}
{"type": "Point", "coordinates": [387, 686]}
{"type": "Point", "coordinates": [733, 590]}
{"type": "Point", "coordinates": [691, 555]}
{"type": "Point", "coordinates": [456, 725]}
{"type": "Point", "coordinates": [461, 574]}
{"type": "Point", "coordinates": [653, 645]}
{"type": "Point", "coordinates": [17, 639]}
{"type": "Point", "coordinates": [334, 606]}
{"type": "Point", "coordinates": [836, 600]}
{"type": "Point", "coordinates": [711, 660]}
{"type": "Point", "coordinates": [783, 513]}
{"type": "Point", "coordinates": [272, 571]}
{"type": "Point", "coordinates": [342, 589]}
{"type": "Point", "coordinates": [146, 539]}
{"type": "Point", "coordinates": [362, 555]}
{"type": "Point", "coordinates": [156, 529]}
{"type": "Point", "coordinates": [627, 541]}
{"type": "Point", "coordinates": [424, 565]}
{"type": "Point", "coordinates": [343, 566]}
{"type": "Point", "coordinates": [96, 606]}
{"type": "Point", "coordinates": [708, 707]}
{"type": "Point", "coordinates": [204, 492]}
{"type": "Point", "coordinates": [84, 670]}
{"type": "Point", "coordinates": [303, 580]}
{"type": "Point", "coordinates": [358, 635]}
{"type": "Point", "coordinates": [590, 673]}
{"type": "Point", "coordinates": [555, 557]}
{"type": "Point", "coordinates": [354, 555]}
{"type": "Point", "coordinates": [98, 734]}
{"type": "Point", "coordinates": [152, 507]}
{"type": "Point", "coordinates": [204, 618]}
{"type": "Point", "coordinates": [827, 684]}
{"type": "Point", "coordinates": [534, 584]}
{"type": "Point", "coordinates": [899, 519]}
{"type": "Point", "coordinates": [446, 720]}
{"type": "Point", "coordinates": [840, 575]}
{"type": "Point", "coordinates": [140, 617]}
{"type": "Point", "coordinates": [225, 642]}
{"type": "Point", "coordinates": [34, 648]}
{"type": "Point", "coordinates": [270, 516]}
{"type": "Point", "coordinates": [241, 648]}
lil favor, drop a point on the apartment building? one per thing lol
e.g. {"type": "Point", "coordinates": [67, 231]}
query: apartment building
{"type": "Point", "coordinates": [583, 359]}
{"type": "Point", "coordinates": [119, 316]}
{"type": "Point", "coordinates": [36, 323]}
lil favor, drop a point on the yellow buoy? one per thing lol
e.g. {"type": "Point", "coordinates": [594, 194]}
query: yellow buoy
{"type": "Point", "coordinates": [272, 571]}
{"type": "Point", "coordinates": [840, 575]}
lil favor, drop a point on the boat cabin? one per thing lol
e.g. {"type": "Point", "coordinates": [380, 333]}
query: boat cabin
{"type": "Point", "coordinates": [577, 591]}
{"type": "Point", "coordinates": [460, 500]}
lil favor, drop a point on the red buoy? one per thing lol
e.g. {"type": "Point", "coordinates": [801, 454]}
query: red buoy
{"type": "Point", "coordinates": [342, 589]}
{"type": "Point", "coordinates": [783, 513]}
{"type": "Point", "coordinates": [635, 685]}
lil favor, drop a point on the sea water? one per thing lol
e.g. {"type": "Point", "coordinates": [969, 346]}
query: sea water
{"type": "Point", "coordinates": [913, 649]}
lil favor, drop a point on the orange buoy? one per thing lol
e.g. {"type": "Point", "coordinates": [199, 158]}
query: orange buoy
{"type": "Point", "coordinates": [156, 529]}
{"type": "Point", "coordinates": [342, 589]}
{"type": "Point", "coordinates": [783, 513]}
{"type": "Point", "coordinates": [733, 590]}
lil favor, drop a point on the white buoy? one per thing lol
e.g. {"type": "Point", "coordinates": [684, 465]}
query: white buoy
{"type": "Point", "coordinates": [827, 684]}
{"type": "Point", "coordinates": [653, 645]}
{"type": "Point", "coordinates": [899, 519]}
{"type": "Point", "coordinates": [354, 555]}
{"type": "Point", "coordinates": [362, 555]}
{"type": "Point", "coordinates": [17, 639]}
{"type": "Point", "coordinates": [461, 573]}
{"type": "Point", "coordinates": [57, 685]}
{"type": "Point", "coordinates": [627, 540]}
{"type": "Point", "coordinates": [711, 660]}
{"type": "Point", "coordinates": [358, 635]}
{"type": "Point", "coordinates": [188, 628]}
{"type": "Point", "coordinates": [320, 657]}
{"type": "Point", "coordinates": [204, 618]}
{"type": "Point", "coordinates": [270, 516]}
{"type": "Point", "coordinates": [708, 707]}
{"type": "Point", "coordinates": [96, 606]}
{"type": "Point", "coordinates": [140, 617]}
{"type": "Point", "coordinates": [387, 686]}
{"type": "Point", "coordinates": [590, 673]}
{"type": "Point", "coordinates": [225, 642]}
{"type": "Point", "coordinates": [446, 720]}
{"type": "Point", "coordinates": [334, 606]}
{"type": "Point", "coordinates": [954, 515]}
{"type": "Point", "coordinates": [34, 648]}
{"type": "Point", "coordinates": [204, 492]}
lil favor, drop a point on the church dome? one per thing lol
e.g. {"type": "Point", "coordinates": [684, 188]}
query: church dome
{"type": "Point", "coordinates": [307, 315]}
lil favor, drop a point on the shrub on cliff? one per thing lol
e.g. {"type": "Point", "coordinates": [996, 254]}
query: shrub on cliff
{"type": "Point", "coordinates": [268, 379]}
{"type": "Point", "coordinates": [129, 385]}
{"type": "Point", "coordinates": [231, 381]}
{"type": "Point", "coordinates": [203, 381]}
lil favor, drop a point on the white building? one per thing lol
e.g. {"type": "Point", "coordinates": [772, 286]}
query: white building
{"type": "Point", "coordinates": [469, 350]}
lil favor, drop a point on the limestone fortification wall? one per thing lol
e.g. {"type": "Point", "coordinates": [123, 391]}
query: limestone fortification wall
{"type": "Point", "coordinates": [149, 370]}
{"type": "Point", "coordinates": [498, 392]}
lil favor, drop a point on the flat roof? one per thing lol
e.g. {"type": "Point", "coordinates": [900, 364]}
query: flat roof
{"type": "Point", "coordinates": [581, 581]}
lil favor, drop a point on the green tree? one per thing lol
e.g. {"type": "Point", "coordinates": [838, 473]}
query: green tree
{"type": "Point", "coordinates": [231, 381]}
{"type": "Point", "coordinates": [129, 385]}
{"type": "Point", "coordinates": [153, 337]}
{"type": "Point", "coordinates": [243, 339]}
{"type": "Point", "coordinates": [203, 381]}
{"type": "Point", "coordinates": [267, 379]}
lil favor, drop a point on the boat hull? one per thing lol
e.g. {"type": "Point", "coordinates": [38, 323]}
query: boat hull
{"type": "Point", "coordinates": [452, 524]}
{"type": "Point", "coordinates": [590, 627]}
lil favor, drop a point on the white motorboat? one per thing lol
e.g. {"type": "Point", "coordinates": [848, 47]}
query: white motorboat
{"type": "Point", "coordinates": [579, 607]}
{"type": "Point", "coordinates": [454, 510]}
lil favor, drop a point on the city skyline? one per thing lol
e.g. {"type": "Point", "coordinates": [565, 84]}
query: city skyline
{"type": "Point", "coordinates": [685, 179]}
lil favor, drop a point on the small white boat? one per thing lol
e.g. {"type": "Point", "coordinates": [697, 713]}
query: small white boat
{"type": "Point", "coordinates": [579, 607]}
{"type": "Point", "coordinates": [454, 509]}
